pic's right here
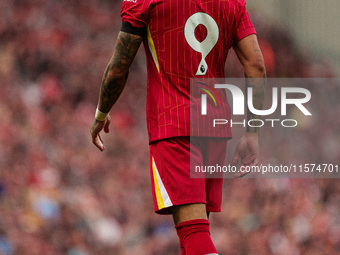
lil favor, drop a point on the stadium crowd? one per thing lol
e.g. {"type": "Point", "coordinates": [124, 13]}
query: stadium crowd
{"type": "Point", "coordinates": [60, 195]}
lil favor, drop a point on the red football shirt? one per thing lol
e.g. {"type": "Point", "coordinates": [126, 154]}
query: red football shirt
{"type": "Point", "coordinates": [185, 39]}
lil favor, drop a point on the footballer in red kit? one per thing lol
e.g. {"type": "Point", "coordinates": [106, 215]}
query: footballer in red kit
{"type": "Point", "coordinates": [183, 39]}
{"type": "Point", "coordinates": [172, 62]}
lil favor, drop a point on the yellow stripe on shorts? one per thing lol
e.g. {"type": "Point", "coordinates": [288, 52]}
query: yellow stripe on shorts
{"type": "Point", "coordinates": [159, 198]}
{"type": "Point", "coordinates": [162, 196]}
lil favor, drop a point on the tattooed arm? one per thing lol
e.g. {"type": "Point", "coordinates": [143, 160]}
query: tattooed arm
{"type": "Point", "coordinates": [114, 80]}
{"type": "Point", "coordinates": [117, 71]}
{"type": "Point", "coordinates": [250, 56]}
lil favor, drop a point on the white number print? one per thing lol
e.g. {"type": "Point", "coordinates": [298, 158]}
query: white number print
{"type": "Point", "coordinates": [209, 42]}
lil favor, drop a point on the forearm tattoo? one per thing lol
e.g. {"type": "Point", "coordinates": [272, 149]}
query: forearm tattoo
{"type": "Point", "coordinates": [117, 70]}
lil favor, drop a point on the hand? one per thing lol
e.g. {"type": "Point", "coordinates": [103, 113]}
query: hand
{"type": "Point", "coordinates": [248, 150]}
{"type": "Point", "coordinates": [96, 128]}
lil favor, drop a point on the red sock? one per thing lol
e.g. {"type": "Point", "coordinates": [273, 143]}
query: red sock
{"type": "Point", "coordinates": [194, 238]}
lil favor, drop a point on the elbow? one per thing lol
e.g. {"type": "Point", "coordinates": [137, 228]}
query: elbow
{"type": "Point", "coordinates": [118, 76]}
{"type": "Point", "coordinates": [260, 67]}
{"type": "Point", "coordinates": [255, 68]}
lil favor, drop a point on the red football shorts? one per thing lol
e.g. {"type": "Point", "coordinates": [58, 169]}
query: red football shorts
{"type": "Point", "coordinates": [170, 172]}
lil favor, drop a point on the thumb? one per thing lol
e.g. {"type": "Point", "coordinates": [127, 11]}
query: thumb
{"type": "Point", "coordinates": [107, 125]}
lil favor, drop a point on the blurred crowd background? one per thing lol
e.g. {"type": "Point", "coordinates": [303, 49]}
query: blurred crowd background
{"type": "Point", "coordinates": [60, 195]}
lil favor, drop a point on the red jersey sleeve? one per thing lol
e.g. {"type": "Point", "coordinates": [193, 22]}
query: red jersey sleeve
{"type": "Point", "coordinates": [136, 12]}
{"type": "Point", "coordinates": [245, 26]}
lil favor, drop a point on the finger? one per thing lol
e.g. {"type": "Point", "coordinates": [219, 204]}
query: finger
{"type": "Point", "coordinates": [235, 159]}
{"type": "Point", "coordinates": [252, 163]}
{"type": "Point", "coordinates": [240, 174]}
{"type": "Point", "coordinates": [107, 125]}
{"type": "Point", "coordinates": [249, 160]}
{"type": "Point", "coordinates": [98, 142]}
{"type": "Point", "coordinates": [101, 139]}
{"type": "Point", "coordinates": [101, 143]}
{"type": "Point", "coordinates": [242, 171]}
{"type": "Point", "coordinates": [246, 166]}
